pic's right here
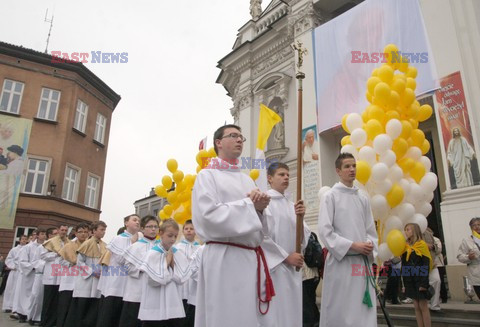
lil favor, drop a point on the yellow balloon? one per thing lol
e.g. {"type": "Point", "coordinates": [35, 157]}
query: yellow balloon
{"type": "Point", "coordinates": [176, 205]}
{"type": "Point", "coordinates": [184, 196]}
{"type": "Point", "coordinates": [425, 112]}
{"type": "Point", "coordinates": [162, 215]}
{"type": "Point", "coordinates": [254, 173]}
{"type": "Point", "coordinates": [418, 137]}
{"type": "Point", "coordinates": [198, 169]}
{"type": "Point", "coordinates": [373, 127]}
{"type": "Point", "coordinates": [411, 72]}
{"type": "Point", "coordinates": [167, 182]}
{"type": "Point", "coordinates": [375, 112]}
{"type": "Point", "coordinates": [411, 83]}
{"type": "Point", "coordinates": [369, 97]}
{"type": "Point", "coordinates": [389, 48]}
{"type": "Point", "coordinates": [417, 172]}
{"type": "Point", "coordinates": [189, 180]}
{"type": "Point", "coordinates": [363, 171]}
{"type": "Point", "coordinates": [172, 197]}
{"type": "Point", "coordinates": [414, 123]}
{"type": "Point", "coordinates": [395, 195]}
{"type": "Point", "coordinates": [394, 100]}
{"type": "Point", "coordinates": [412, 111]}
{"type": "Point", "coordinates": [344, 123]}
{"type": "Point", "coordinates": [385, 73]}
{"type": "Point", "coordinates": [211, 152]}
{"type": "Point", "coordinates": [425, 147]}
{"type": "Point", "coordinates": [181, 186]}
{"type": "Point", "coordinates": [172, 165]}
{"type": "Point", "coordinates": [177, 176]}
{"type": "Point", "coordinates": [372, 82]}
{"type": "Point", "coordinates": [167, 209]}
{"type": "Point", "coordinates": [403, 66]}
{"type": "Point", "coordinates": [400, 147]}
{"type": "Point", "coordinates": [382, 93]}
{"type": "Point", "coordinates": [365, 115]}
{"type": "Point", "coordinates": [396, 242]}
{"type": "Point", "coordinates": [201, 157]}
{"type": "Point", "coordinates": [392, 114]}
{"type": "Point", "coordinates": [398, 85]}
{"type": "Point", "coordinates": [375, 72]}
{"type": "Point", "coordinates": [406, 129]}
{"type": "Point", "coordinates": [406, 164]}
{"type": "Point", "coordinates": [345, 140]}
{"type": "Point", "coordinates": [161, 191]}
{"type": "Point", "coordinates": [407, 97]}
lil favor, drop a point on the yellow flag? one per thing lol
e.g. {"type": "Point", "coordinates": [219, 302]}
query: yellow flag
{"type": "Point", "coordinates": [268, 119]}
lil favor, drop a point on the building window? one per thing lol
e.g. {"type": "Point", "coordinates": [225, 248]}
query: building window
{"type": "Point", "coordinates": [11, 96]}
{"type": "Point", "coordinates": [91, 192]}
{"type": "Point", "coordinates": [22, 230]}
{"type": "Point", "coordinates": [36, 176]}
{"type": "Point", "coordinates": [70, 183]}
{"type": "Point", "coordinates": [100, 128]}
{"type": "Point", "coordinates": [81, 116]}
{"type": "Point", "coordinates": [49, 104]}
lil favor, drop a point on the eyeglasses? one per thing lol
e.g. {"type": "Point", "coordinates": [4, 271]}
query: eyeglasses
{"type": "Point", "coordinates": [235, 136]}
{"type": "Point", "coordinates": [151, 227]}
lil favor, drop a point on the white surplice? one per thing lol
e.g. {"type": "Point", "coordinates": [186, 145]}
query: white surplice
{"type": "Point", "coordinates": [85, 283]}
{"type": "Point", "coordinates": [161, 297]}
{"type": "Point", "coordinates": [194, 267]}
{"type": "Point", "coordinates": [133, 258]}
{"type": "Point", "coordinates": [346, 217]}
{"type": "Point", "coordinates": [25, 278]}
{"type": "Point", "coordinates": [52, 261]}
{"type": "Point", "coordinates": [36, 298]}
{"type": "Point", "coordinates": [188, 248]}
{"type": "Point", "coordinates": [286, 306]}
{"type": "Point", "coordinates": [227, 283]}
{"type": "Point", "coordinates": [11, 261]}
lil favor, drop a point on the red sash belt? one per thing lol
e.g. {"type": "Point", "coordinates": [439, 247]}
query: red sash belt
{"type": "Point", "coordinates": [269, 290]}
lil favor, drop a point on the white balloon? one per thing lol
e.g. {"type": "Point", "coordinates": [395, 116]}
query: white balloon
{"type": "Point", "coordinates": [367, 154]}
{"type": "Point", "coordinates": [379, 207]}
{"type": "Point", "coordinates": [395, 173]}
{"type": "Point", "coordinates": [379, 172]}
{"type": "Point", "coordinates": [393, 222]}
{"type": "Point", "coordinates": [354, 121]}
{"type": "Point", "coordinates": [416, 193]}
{"type": "Point", "coordinates": [429, 182]}
{"type": "Point", "coordinates": [393, 128]}
{"type": "Point", "coordinates": [382, 143]}
{"type": "Point", "coordinates": [349, 148]}
{"type": "Point", "coordinates": [405, 211]}
{"type": "Point", "coordinates": [388, 157]}
{"type": "Point", "coordinates": [428, 197]}
{"type": "Point", "coordinates": [423, 208]}
{"type": "Point", "coordinates": [420, 220]}
{"type": "Point", "coordinates": [405, 185]}
{"type": "Point", "coordinates": [414, 152]}
{"type": "Point", "coordinates": [384, 252]}
{"type": "Point", "coordinates": [322, 191]}
{"type": "Point", "coordinates": [427, 163]}
{"type": "Point", "coordinates": [382, 187]}
{"type": "Point", "coordinates": [358, 137]}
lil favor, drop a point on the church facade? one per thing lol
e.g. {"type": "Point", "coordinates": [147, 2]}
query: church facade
{"type": "Point", "coordinates": [261, 68]}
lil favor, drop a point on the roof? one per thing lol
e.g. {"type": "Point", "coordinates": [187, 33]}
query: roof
{"type": "Point", "coordinates": [21, 52]}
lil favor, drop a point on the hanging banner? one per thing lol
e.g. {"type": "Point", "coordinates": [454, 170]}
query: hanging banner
{"type": "Point", "coordinates": [457, 132]}
{"type": "Point", "coordinates": [14, 138]}
{"type": "Point", "coordinates": [311, 167]}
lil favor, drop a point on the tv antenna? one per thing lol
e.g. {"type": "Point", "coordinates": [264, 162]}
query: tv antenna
{"type": "Point", "coordinates": [48, 20]}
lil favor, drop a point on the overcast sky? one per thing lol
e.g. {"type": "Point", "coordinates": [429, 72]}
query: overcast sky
{"type": "Point", "coordinates": [169, 97]}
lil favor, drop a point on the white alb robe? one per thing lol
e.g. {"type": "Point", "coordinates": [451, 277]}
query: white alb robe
{"type": "Point", "coordinates": [346, 217]}
{"type": "Point", "coordinates": [161, 297]}
{"type": "Point", "coordinates": [52, 259]}
{"type": "Point", "coordinates": [133, 258]}
{"type": "Point", "coordinates": [85, 283]}
{"type": "Point", "coordinates": [25, 279]}
{"type": "Point", "coordinates": [286, 306]}
{"type": "Point", "coordinates": [36, 299]}
{"type": "Point", "coordinates": [188, 249]}
{"type": "Point", "coordinates": [227, 282]}
{"type": "Point", "coordinates": [11, 261]}
{"type": "Point", "coordinates": [194, 267]}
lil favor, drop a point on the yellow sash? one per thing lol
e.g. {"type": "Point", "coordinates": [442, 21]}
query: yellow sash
{"type": "Point", "coordinates": [91, 247]}
{"type": "Point", "coordinates": [55, 244]}
{"type": "Point", "coordinates": [421, 249]}
{"type": "Point", "coordinates": [69, 251]}
{"type": "Point", "coordinates": [474, 233]}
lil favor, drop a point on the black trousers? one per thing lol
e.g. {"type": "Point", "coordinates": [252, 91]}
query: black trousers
{"type": "Point", "coordinates": [109, 311]}
{"type": "Point", "coordinates": [4, 280]}
{"type": "Point", "coordinates": [178, 322]}
{"type": "Point", "coordinates": [443, 288]}
{"type": "Point", "coordinates": [311, 315]}
{"type": "Point", "coordinates": [50, 305]}
{"type": "Point", "coordinates": [64, 300]}
{"type": "Point", "coordinates": [83, 312]}
{"type": "Point", "coordinates": [391, 291]}
{"type": "Point", "coordinates": [477, 290]}
{"type": "Point", "coordinates": [129, 316]}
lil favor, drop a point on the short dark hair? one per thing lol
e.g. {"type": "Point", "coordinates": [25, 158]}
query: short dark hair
{"type": "Point", "coordinates": [272, 169]}
{"type": "Point", "coordinates": [219, 133]}
{"type": "Point", "coordinates": [63, 224]}
{"type": "Point", "coordinates": [82, 225]}
{"type": "Point", "coordinates": [50, 231]}
{"type": "Point", "coordinates": [341, 156]}
{"type": "Point", "coordinates": [23, 235]}
{"type": "Point", "coordinates": [473, 220]}
{"type": "Point", "coordinates": [127, 218]}
{"type": "Point", "coordinates": [188, 222]}
{"type": "Point", "coordinates": [41, 230]}
{"type": "Point", "coordinates": [146, 219]}
{"type": "Point", "coordinates": [97, 224]}
{"type": "Point", "coordinates": [121, 230]}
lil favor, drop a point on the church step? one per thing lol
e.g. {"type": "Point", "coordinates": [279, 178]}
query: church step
{"type": "Point", "coordinates": [463, 311]}
{"type": "Point", "coordinates": [409, 320]}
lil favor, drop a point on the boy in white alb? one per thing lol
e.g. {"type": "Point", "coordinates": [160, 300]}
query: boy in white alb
{"type": "Point", "coordinates": [83, 310]}
{"type": "Point", "coordinates": [133, 258]}
{"type": "Point", "coordinates": [286, 307]}
{"type": "Point", "coordinates": [113, 278]}
{"type": "Point", "coordinates": [12, 263]}
{"type": "Point", "coordinates": [188, 246]}
{"type": "Point", "coordinates": [166, 269]}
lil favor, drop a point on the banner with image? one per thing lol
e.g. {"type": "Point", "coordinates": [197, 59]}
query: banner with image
{"type": "Point", "coordinates": [311, 167]}
{"type": "Point", "coordinates": [457, 132]}
{"type": "Point", "coordinates": [14, 138]}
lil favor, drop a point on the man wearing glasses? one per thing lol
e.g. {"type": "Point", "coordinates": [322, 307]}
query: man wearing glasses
{"type": "Point", "coordinates": [227, 211]}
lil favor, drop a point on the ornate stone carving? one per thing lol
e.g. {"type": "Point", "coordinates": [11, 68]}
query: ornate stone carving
{"type": "Point", "coordinates": [255, 8]}
{"type": "Point", "coordinates": [275, 59]}
{"type": "Point", "coordinates": [305, 19]}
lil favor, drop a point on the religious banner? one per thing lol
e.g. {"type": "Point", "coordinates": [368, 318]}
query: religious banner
{"type": "Point", "coordinates": [14, 138]}
{"type": "Point", "coordinates": [457, 132]}
{"type": "Point", "coordinates": [311, 167]}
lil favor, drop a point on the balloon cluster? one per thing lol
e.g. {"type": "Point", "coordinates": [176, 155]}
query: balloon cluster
{"type": "Point", "coordinates": [203, 158]}
{"type": "Point", "coordinates": [389, 149]}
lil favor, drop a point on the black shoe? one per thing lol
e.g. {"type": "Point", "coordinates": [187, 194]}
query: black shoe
{"type": "Point", "coordinates": [14, 316]}
{"type": "Point", "coordinates": [437, 311]}
{"type": "Point", "coordinates": [7, 311]}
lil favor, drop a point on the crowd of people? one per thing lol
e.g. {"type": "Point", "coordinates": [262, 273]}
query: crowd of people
{"type": "Point", "coordinates": [247, 271]}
